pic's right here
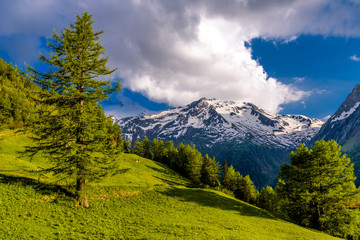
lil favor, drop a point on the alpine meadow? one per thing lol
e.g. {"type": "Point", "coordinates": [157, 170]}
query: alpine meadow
{"type": "Point", "coordinates": [213, 169]}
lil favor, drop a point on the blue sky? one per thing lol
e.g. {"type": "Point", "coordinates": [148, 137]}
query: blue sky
{"type": "Point", "coordinates": [327, 67]}
{"type": "Point", "coordinates": [296, 57]}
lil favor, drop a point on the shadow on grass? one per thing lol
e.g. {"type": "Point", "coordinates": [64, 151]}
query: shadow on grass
{"type": "Point", "coordinates": [41, 187]}
{"type": "Point", "coordinates": [169, 176]}
{"type": "Point", "coordinates": [211, 199]}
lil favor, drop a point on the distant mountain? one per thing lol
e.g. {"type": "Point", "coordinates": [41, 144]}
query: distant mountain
{"type": "Point", "coordinates": [344, 125]}
{"type": "Point", "coordinates": [344, 128]}
{"type": "Point", "coordinates": [254, 141]}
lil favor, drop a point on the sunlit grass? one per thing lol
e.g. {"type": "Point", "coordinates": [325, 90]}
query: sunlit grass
{"type": "Point", "coordinates": [146, 201]}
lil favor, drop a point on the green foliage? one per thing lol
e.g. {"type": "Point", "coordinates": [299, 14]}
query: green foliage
{"type": "Point", "coordinates": [319, 188]}
{"type": "Point", "coordinates": [143, 148]}
{"type": "Point", "coordinates": [171, 154]}
{"type": "Point", "coordinates": [148, 201]}
{"type": "Point", "coordinates": [17, 104]}
{"type": "Point", "coordinates": [73, 132]}
{"type": "Point", "coordinates": [210, 171]}
{"type": "Point", "coordinates": [226, 176]}
{"type": "Point", "coordinates": [146, 148]}
{"type": "Point", "coordinates": [158, 149]}
{"type": "Point", "coordinates": [266, 199]}
{"type": "Point", "coordinates": [246, 190]}
{"type": "Point", "coordinates": [190, 162]}
{"type": "Point", "coordinates": [202, 171]}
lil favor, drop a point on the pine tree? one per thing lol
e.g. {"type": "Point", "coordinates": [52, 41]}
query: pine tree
{"type": "Point", "coordinates": [266, 199]}
{"type": "Point", "coordinates": [126, 146]}
{"type": "Point", "coordinates": [171, 154]}
{"type": "Point", "coordinates": [72, 133]}
{"type": "Point", "coordinates": [319, 188]}
{"type": "Point", "coordinates": [229, 177]}
{"type": "Point", "coordinates": [210, 172]}
{"type": "Point", "coordinates": [146, 148]}
{"type": "Point", "coordinates": [158, 149]}
{"type": "Point", "coordinates": [246, 190]}
{"type": "Point", "coordinates": [137, 149]}
{"type": "Point", "coordinates": [226, 180]}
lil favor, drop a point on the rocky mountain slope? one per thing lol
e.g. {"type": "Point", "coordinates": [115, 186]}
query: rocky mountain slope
{"type": "Point", "coordinates": [344, 125]}
{"type": "Point", "coordinates": [252, 140]}
{"type": "Point", "coordinates": [344, 128]}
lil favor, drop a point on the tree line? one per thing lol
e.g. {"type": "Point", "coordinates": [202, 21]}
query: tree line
{"type": "Point", "coordinates": [203, 171]}
{"type": "Point", "coordinates": [315, 190]}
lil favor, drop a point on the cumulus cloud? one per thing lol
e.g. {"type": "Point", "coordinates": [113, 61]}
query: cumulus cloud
{"type": "Point", "coordinates": [179, 51]}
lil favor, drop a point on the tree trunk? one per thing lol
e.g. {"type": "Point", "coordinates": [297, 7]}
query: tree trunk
{"type": "Point", "coordinates": [81, 200]}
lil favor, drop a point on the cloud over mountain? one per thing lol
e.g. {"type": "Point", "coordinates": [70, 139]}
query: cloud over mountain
{"type": "Point", "coordinates": [179, 51]}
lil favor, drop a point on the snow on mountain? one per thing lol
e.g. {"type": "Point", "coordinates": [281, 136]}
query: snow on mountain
{"type": "Point", "coordinates": [346, 114]}
{"type": "Point", "coordinates": [223, 121]}
{"type": "Point", "coordinates": [253, 141]}
{"type": "Point", "coordinates": [344, 125]}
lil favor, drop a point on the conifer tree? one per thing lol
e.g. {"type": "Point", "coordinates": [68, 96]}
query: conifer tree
{"type": "Point", "coordinates": [146, 148]}
{"type": "Point", "coordinates": [318, 188]}
{"type": "Point", "coordinates": [246, 190]}
{"type": "Point", "coordinates": [229, 177]}
{"type": "Point", "coordinates": [73, 133]}
{"type": "Point", "coordinates": [266, 198]}
{"type": "Point", "coordinates": [171, 154]}
{"type": "Point", "coordinates": [126, 146]}
{"type": "Point", "coordinates": [210, 172]}
{"type": "Point", "coordinates": [226, 180]}
{"type": "Point", "coordinates": [158, 150]}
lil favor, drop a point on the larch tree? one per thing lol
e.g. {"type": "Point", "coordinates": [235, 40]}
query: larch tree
{"type": "Point", "coordinates": [266, 198]}
{"type": "Point", "coordinates": [318, 188]}
{"type": "Point", "coordinates": [73, 132]}
{"type": "Point", "coordinates": [210, 172]}
{"type": "Point", "coordinates": [158, 149]}
{"type": "Point", "coordinates": [246, 190]}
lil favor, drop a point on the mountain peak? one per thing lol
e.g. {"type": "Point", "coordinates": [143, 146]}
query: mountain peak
{"type": "Point", "coordinates": [240, 132]}
{"type": "Point", "coordinates": [349, 106]}
{"type": "Point", "coordinates": [344, 125]}
{"type": "Point", "coordinates": [221, 120]}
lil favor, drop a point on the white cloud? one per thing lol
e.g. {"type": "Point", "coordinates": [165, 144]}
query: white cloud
{"type": "Point", "coordinates": [299, 79]}
{"type": "Point", "coordinates": [179, 51]}
{"type": "Point", "coordinates": [355, 58]}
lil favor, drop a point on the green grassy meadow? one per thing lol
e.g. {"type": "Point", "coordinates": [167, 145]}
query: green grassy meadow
{"type": "Point", "coordinates": [145, 201]}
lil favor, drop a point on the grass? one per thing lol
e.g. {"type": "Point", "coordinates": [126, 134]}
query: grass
{"type": "Point", "coordinates": [146, 201]}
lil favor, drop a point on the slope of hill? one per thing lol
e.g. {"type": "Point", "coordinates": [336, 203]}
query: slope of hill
{"type": "Point", "coordinates": [146, 201]}
{"type": "Point", "coordinates": [254, 141]}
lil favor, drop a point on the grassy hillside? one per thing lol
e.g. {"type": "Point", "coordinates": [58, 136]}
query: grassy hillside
{"type": "Point", "coordinates": [145, 201]}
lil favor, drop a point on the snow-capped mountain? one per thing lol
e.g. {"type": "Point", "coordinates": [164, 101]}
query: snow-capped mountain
{"type": "Point", "coordinates": [254, 141]}
{"type": "Point", "coordinates": [344, 125]}
{"type": "Point", "coordinates": [222, 121]}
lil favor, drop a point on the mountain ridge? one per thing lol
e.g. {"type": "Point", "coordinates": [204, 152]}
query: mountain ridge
{"type": "Point", "coordinates": [254, 141]}
{"type": "Point", "coordinates": [344, 127]}
{"type": "Point", "coordinates": [344, 124]}
{"type": "Point", "coordinates": [235, 119]}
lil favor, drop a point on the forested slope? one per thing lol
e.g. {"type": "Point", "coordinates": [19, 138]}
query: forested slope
{"type": "Point", "coordinates": [16, 102]}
